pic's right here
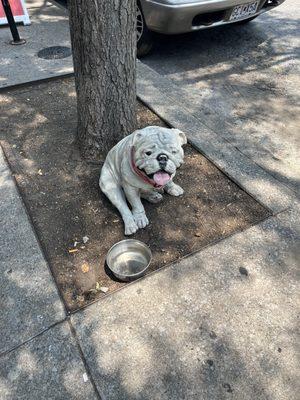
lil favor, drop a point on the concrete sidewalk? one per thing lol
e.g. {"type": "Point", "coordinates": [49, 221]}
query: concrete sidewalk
{"type": "Point", "coordinates": [39, 357]}
{"type": "Point", "coordinates": [47, 367]}
{"type": "Point", "coordinates": [30, 302]}
{"type": "Point", "coordinates": [49, 27]}
{"type": "Point", "coordinates": [220, 324]}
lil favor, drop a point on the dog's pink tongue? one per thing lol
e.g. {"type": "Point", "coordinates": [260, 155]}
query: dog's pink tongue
{"type": "Point", "coordinates": [161, 178]}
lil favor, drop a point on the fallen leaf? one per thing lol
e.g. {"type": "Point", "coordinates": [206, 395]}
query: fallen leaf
{"type": "Point", "coordinates": [97, 286]}
{"type": "Point", "coordinates": [40, 172]}
{"type": "Point", "coordinates": [198, 234]}
{"type": "Point", "coordinates": [85, 268]}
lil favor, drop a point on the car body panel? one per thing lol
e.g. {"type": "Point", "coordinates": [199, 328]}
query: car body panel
{"type": "Point", "coordinates": [177, 16]}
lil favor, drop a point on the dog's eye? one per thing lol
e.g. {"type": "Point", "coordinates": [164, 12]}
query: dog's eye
{"type": "Point", "coordinates": [174, 151]}
{"type": "Point", "coordinates": [148, 153]}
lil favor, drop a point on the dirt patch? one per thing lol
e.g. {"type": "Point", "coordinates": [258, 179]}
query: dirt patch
{"type": "Point", "coordinates": [74, 221]}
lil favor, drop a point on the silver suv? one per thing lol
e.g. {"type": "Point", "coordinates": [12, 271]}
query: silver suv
{"type": "Point", "coordinates": [179, 16]}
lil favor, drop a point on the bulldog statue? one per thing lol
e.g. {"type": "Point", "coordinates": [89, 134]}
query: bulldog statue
{"type": "Point", "coordinates": [142, 165]}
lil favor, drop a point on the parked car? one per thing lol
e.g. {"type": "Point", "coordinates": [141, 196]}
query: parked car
{"type": "Point", "coordinates": [180, 16]}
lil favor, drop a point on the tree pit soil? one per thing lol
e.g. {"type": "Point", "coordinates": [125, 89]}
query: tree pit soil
{"type": "Point", "coordinates": [75, 222]}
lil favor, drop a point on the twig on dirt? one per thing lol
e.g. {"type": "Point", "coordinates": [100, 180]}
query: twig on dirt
{"type": "Point", "coordinates": [73, 250]}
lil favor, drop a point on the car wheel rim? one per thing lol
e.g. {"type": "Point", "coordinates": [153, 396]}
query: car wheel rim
{"type": "Point", "coordinates": [139, 24]}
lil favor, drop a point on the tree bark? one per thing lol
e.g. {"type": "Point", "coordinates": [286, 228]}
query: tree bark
{"type": "Point", "coordinates": [103, 36]}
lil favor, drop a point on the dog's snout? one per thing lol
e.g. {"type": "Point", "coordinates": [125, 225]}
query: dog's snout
{"type": "Point", "coordinates": [162, 159]}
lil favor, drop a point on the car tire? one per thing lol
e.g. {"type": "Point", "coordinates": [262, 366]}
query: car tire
{"type": "Point", "coordinates": [144, 35]}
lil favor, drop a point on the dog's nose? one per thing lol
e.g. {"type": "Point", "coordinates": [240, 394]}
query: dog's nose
{"type": "Point", "coordinates": [162, 159]}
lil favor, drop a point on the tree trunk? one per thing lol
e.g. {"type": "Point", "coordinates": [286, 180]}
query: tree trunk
{"type": "Point", "coordinates": [103, 38]}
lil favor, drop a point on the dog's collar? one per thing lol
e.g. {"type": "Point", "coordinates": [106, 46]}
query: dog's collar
{"type": "Point", "coordinates": [140, 173]}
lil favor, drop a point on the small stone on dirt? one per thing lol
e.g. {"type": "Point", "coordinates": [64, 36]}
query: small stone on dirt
{"type": "Point", "coordinates": [85, 268]}
{"type": "Point", "coordinates": [85, 239]}
{"type": "Point", "coordinates": [103, 289]}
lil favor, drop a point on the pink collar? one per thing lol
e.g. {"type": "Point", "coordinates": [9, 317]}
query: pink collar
{"type": "Point", "coordinates": [141, 174]}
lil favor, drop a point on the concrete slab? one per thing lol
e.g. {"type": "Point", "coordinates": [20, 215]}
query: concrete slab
{"type": "Point", "coordinates": [49, 27]}
{"type": "Point", "coordinates": [29, 300]}
{"type": "Point", "coordinates": [222, 324]}
{"type": "Point", "coordinates": [48, 367]}
{"type": "Point", "coordinates": [166, 100]}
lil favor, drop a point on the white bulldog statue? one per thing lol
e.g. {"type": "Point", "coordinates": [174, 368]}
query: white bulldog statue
{"type": "Point", "coordinates": [142, 165]}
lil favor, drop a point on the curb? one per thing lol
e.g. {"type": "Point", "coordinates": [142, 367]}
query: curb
{"type": "Point", "coordinates": [163, 98]}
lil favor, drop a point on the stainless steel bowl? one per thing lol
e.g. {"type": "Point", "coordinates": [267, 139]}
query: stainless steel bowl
{"type": "Point", "coordinates": [128, 259]}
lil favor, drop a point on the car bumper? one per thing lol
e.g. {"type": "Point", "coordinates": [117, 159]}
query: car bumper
{"type": "Point", "coordinates": [171, 17]}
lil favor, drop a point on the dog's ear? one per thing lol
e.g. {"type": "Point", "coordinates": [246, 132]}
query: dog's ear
{"type": "Point", "coordinates": [136, 136]}
{"type": "Point", "coordinates": [181, 136]}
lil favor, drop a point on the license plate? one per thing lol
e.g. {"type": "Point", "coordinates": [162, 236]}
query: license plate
{"type": "Point", "coordinates": [243, 11]}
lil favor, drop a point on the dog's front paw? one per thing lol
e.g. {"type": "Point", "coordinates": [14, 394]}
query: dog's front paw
{"type": "Point", "coordinates": [130, 226]}
{"type": "Point", "coordinates": [140, 219]}
{"type": "Point", "coordinates": [153, 197]}
{"type": "Point", "coordinates": [174, 190]}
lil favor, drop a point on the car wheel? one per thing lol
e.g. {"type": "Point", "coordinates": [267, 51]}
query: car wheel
{"type": "Point", "coordinates": [245, 21]}
{"type": "Point", "coordinates": [144, 35]}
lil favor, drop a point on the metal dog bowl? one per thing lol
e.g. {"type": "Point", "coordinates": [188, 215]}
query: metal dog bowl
{"type": "Point", "coordinates": [128, 259]}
